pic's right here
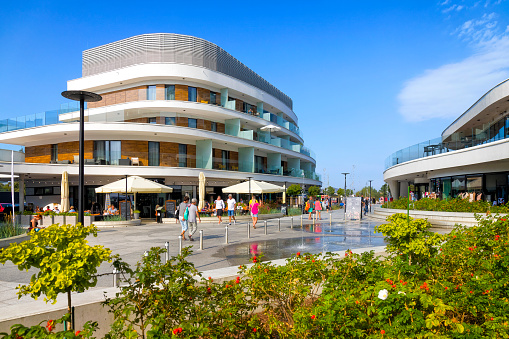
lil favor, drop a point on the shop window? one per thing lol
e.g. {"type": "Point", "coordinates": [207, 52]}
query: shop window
{"type": "Point", "coordinates": [153, 153]}
{"type": "Point", "coordinates": [169, 93]}
{"type": "Point", "coordinates": [192, 94]}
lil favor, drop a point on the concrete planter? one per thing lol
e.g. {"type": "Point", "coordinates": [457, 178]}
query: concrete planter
{"type": "Point", "coordinates": [59, 219]}
{"type": "Point", "coordinates": [88, 220]}
{"type": "Point", "coordinates": [47, 220]}
{"type": "Point", "coordinates": [122, 223]}
{"type": "Point", "coordinates": [17, 219]}
{"type": "Point", "coordinates": [71, 220]}
{"type": "Point", "coordinates": [25, 220]}
{"type": "Point", "coordinates": [136, 215]}
{"type": "Point", "coordinates": [437, 219]}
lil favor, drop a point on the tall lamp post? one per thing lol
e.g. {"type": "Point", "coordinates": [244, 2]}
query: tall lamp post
{"type": "Point", "coordinates": [82, 97]}
{"type": "Point", "coordinates": [126, 199]}
{"type": "Point", "coordinates": [344, 207]}
{"type": "Point", "coordinates": [370, 195]}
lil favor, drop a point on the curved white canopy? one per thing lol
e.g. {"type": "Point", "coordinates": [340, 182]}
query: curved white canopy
{"type": "Point", "coordinates": [257, 187]}
{"type": "Point", "coordinates": [135, 184]}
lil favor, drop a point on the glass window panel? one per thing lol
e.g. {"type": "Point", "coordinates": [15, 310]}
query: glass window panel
{"type": "Point", "coordinates": [30, 121]}
{"type": "Point", "coordinates": [99, 150]}
{"type": "Point", "coordinates": [213, 98]}
{"type": "Point", "coordinates": [170, 92]}
{"type": "Point", "coordinates": [52, 117]}
{"type": "Point", "coordinates": [151, 92]}
{"type": "Point", "coordinates": [54, 152]}
{"type": "Point", "coordinates": [115, 152]}
{"type": "Point", "coordinates": [11, 124]}
{"type": "Point", "coordinates": [40, 119]}
{"type": "Point", "coordinates": [153, 153]}
{"type": "Point", "coordinates": [191, 94]}
{"type": "Point", "coordinates": [30, 191]}
{"type": "Point", "coordinates": [3, 125]}
{"type": "Point", "coordinates": [182, 158]}
{"type": "Point", "coordinates": [20, 122]}
{"type": "Point", "coordinates": [446, 188]}
{"type": "Point", "coordinates": [474, 184]}
{"type": "Point", "coordinates": [169, 121]}
{"type": "Point", "coordinates": [152, 120]}
{"type": "Point", "coordinates": [191, 123]}
{"type": "Point", "coordinates": [213, 126]}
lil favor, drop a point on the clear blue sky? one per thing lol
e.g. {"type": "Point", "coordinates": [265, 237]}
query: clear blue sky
{"type": "Point", "coordinates": [366, 77]}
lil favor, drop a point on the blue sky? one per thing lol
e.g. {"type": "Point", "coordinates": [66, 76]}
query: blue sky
{"type": "Point", "coordinates": [366, 77]}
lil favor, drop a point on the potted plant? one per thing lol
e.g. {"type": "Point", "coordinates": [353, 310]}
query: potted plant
{"type": "Point", "coordinates": [59, 218]}
{"type": "Point", "coordinates": [71, 218]}
{"type": "Point", "coordinates": [88, 219]}
{"type": "Point", "coordinates": [47, 218]}
{"type": "Point", "coordinates": [136, 214]}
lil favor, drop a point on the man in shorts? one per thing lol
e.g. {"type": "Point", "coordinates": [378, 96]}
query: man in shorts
{"type": "Point", "coordinates": [182, 210]}
{"type": "Point", "coordinates": [193, 214]}
{"type": "Point", "coordinates": [231, 209]}
{"type": "Point", "coordinates": [219, 208]}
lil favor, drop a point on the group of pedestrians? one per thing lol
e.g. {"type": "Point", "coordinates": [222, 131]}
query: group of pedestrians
{"type": "Point", "coordinates": [317, 205]}
{"type": "Point", "coordinates": [188, 215]}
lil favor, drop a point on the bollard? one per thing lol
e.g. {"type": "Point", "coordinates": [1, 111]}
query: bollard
{"type": "Point", "coordinates": [314, 218]}
{"type": "Point", "coordinates": [167, 255]}
{"type": "Point", "coordinates": [115, 277]}
{"type": "Point", "coordinates": [248, 230]}
{"type": "Point", "coordinates": [301, 221]}
{"type": "Point", "coordinates": [330, 218]}
{"type": "Point", "coordinates": [292, 224]}
{"type": "Point", "coordinates": [226, 234]}
{"type": "Point", "coordinates": [265, 225]}
{"type": "Point", "coordinates": [279, 224]}
{"type": "Point", "coordinates": [201, 239]}
{"type": "Point", "coordinates": [180, 245]}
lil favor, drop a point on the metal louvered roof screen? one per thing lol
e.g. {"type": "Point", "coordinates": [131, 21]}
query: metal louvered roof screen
{"type": "Point", "coordinates": [173, 48]}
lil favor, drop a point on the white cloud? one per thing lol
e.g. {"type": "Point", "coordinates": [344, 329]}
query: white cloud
{"type": "Point", "coordinates": [480, 30]}
{"type": "Point", "coordinates": [447, 91]}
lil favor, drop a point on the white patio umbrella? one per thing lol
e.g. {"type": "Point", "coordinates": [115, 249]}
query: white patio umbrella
{"type": "Point", "coordinates": [64, 193]}
{"type": "Point", "coordinates": [135, 184]}
{"type": "Point", "coordinates": [201, 191]}
{"type": "Point", "coordinates": [253, 186]}
{"type": "Point", "coordinates": [270, 128]}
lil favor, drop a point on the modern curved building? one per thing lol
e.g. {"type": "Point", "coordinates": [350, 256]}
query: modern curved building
{"type": "Point", "coordinates": [173, 106]}
{"type": "Point", "coordinates": [472, 155]}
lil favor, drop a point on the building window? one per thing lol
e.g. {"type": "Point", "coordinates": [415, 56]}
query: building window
{"type": "Point", "coordinates": [191, 94]}
{"type": "Point", "coordinates": [213, 126]}
{"type": "Point", "coordinates": [54, 152]}
{"type": "Point", "coordinates": [182, 158]}
{"type": "Point", "coordinates": [151, 92]}
{"type": "Point", "coordinates": [191, 123]}
{"type": "Point", "coordinates": [169, 93]}
{"type": "Point", "coordinates": [259, 164]}
{"type": "Point", "coordinates": [152, 120]}
{"type": "Point", "coordinates": [213, 98]}
{"type": "Point", "coordinates": [153, 153]}
{"type": "Point", "coordinates": [169, 121]}
{"type": "Point", "coordinates": [225, 156]}
{"type": "Point", "coordinates": [107, 152]}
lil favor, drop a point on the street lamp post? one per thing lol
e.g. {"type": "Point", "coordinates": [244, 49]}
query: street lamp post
{"type": "Point", "coordinates": [82, 97]}
{"type": "Point", "coordinates": [126, 199]}
{"type": "Point", "coordinates": [370, 195]}
{"type": "Point", "coordinates": [302, 191]}
{"type": "Point", "coordinates": [344, 205]}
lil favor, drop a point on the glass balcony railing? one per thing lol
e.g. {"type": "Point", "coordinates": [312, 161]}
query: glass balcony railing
{"type": "Point", "coordinates": [282, 122]}
{"type": "Point", "coordinates": [37, 119]}
{"type": "Point", "coordinates": [460, 140]}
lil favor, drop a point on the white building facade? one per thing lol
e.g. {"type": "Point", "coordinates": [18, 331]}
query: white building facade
{"type": "Point", "coordinates": [472, 155]}
{"type": "Point", "coordinates": [173, 106]}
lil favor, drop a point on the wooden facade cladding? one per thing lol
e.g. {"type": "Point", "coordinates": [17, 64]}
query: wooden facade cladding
{"type": "Point", "coordinates": [182, 121]}
{"type": "Point", "coordinates": [168, 154]}
{"type": "Point", "coordinates": [181, 92]}
{"type": "Point", "coordinates": [203, 95]}
{"type": "Point", "coordinates": [220, 128]}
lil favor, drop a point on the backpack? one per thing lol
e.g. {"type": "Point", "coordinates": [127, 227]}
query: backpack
{"type": "Point", "coordinates": [186, 213]}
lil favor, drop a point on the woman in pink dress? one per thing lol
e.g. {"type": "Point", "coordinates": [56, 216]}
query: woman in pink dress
{"type": "Point", "coordinates": [318, 208]}
{"type": "Point", "coordinates": [253, 207]}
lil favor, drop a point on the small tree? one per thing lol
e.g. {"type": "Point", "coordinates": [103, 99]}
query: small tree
{"type": "Point", "coordinates": [314, 190]}
{"type": "Point", "coordinates": [65, 261]}
{"type": "Point", "coordinates": [329, 191]}
{"type": "Point", "coordinates": [294, 190]}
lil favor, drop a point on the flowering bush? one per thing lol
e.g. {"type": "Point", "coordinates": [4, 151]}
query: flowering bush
{"type": "Point", "coordinates": [447, 205]}
{"type": "Point", "coordinates": [50, 329]}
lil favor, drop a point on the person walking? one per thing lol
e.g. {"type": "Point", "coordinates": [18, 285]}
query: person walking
{"type": "Point", "coordinates": [193, 215]}
{"type": "Point", "coordinates": [219, 208]}
{"type": "Point", "coordinates": [318, 208]}
{"type": "Point", "coordinates": [253, 208]}
{"type": "Point", "coordinates": [311, 205]}
{"type": "Point", "coordinates": [182, 216]}
{"type": "Point", "coordinates": [231, 203]}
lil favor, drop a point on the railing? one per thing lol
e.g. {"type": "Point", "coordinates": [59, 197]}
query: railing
{"type": "Point", "coordinates": [38, 119]}
{"type": "Point", "coordinates": [68, 156]}
{"type": "Point", "coordinates": [460, 140]}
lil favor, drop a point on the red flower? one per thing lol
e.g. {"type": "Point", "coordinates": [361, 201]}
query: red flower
{"type": "Point", "coordinates": [382, 331]}
{"type": "Point", "coordinates": [470, 248]}
{"type": "Point", "coordinates": [313, 317]}
{"type": "Point", "coordinates": [445, 287]}
{"type": "Point", "coordinates": [502, 220]}
{"type": "Point", "coordinates": [175, 331]}
{"type": "Point", "coordinates": [313, 260]}
{"type": "Point", "coordinates": [471, 274]}
{"type": "Point", "coordinates": [209, 290]}
{"type": "Point", "coordinates": [492, 317]}
{"type": "Point", "coordinates": [298, 253]}
{"type": "Point", "coordinates": [497, 237]}
{"type": "Point", "coordinates": [254, 329]}
{"type": "Point", "coordinates": [49, 325]}
{"type": "Point", "coordinates": [471, 292]}
{"type": "Point", "coordinates": [237, 280]}
{"type": "Point", "coordinates": [180, 329]}
{"type": "Point", "coordinates": [78, 333]}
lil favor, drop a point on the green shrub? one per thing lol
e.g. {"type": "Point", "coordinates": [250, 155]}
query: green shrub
{"type": "Point", "coordinates": [447, 205]}
{"type": "Point", "coordinates": [8, 229]}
